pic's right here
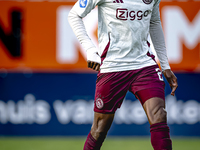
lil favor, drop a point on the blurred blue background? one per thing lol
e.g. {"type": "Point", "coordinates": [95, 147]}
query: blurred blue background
{"type": "Point", "coordinates": [62, 104]}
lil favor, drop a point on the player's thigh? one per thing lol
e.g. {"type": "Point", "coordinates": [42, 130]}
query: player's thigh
{"type": "Point", "coordinates": [149, 88]}
{"type": "Point", "coordinates": [155, 110]}
{"type": "Point", "coordinates": [101, 124]}
{"type": "Point", "coordinates": [111, 89]}
{"type": "Point", "coordinates": [148, 83]}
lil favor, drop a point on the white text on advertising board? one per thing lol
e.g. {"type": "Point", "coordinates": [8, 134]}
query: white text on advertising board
{"type": "Point", "coordinates": [30, 110]}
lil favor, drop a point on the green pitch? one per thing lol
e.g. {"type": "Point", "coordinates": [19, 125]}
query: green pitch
{"type": "Point", "coordinates": [111, 143]}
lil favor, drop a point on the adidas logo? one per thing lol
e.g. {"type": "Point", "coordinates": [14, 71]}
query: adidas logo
{"type": "Point", "coordinates": [118, 1]}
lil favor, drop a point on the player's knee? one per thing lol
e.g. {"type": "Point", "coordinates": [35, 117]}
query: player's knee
{"type": "Point", "coordinates": [160, 115]}
{"type": "Point", "coordinates": [99, 135]}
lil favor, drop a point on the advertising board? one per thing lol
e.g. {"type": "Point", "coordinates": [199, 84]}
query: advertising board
{"type": "Point", "coordinates": [44, 41]}
{"type": "Point", "coordinates": [62, 104]}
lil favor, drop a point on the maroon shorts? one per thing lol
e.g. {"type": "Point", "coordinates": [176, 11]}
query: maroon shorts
{"type": "Point", "coordinates": [111, 88]}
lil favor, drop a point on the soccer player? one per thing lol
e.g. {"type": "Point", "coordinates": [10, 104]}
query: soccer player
{"type": "Point", "coordinates": [125, 63]}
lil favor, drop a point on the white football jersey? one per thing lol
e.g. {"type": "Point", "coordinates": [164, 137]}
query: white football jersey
{"type": "Point", "coordinates": [123, 30]}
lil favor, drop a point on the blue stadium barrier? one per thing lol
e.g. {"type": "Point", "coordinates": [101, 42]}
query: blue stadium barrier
{"type": "Point", "coordinates": [62, 104]}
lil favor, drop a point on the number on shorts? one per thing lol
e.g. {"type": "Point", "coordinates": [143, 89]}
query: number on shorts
{"type": "Point", "coordinates": [159, 74]}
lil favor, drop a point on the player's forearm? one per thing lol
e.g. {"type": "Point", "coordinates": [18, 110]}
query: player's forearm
{"type": "Point", "coordinates": [157, 38]}
{"type": "Point", "coordinates": [79, 30]}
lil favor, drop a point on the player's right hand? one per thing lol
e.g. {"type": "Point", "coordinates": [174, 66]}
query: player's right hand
{"type": "Point", "coordinates": [93, 59]}
{"type": "Point", "coordinates": [93, 65]}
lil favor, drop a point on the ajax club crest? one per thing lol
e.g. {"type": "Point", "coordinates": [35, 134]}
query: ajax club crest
{"type": "Point", "coordinates": [147, 1]}
{"type": "Point", "coordinates": [99, 103]}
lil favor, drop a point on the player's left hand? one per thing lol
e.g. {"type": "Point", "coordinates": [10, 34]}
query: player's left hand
{"type": "Point", "coordinates": [171, 79]}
